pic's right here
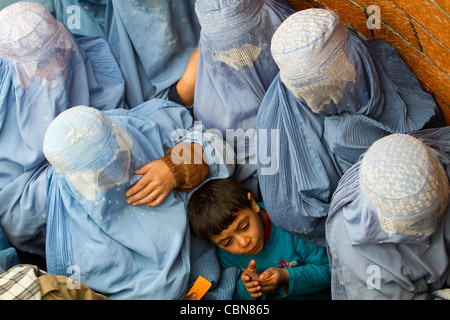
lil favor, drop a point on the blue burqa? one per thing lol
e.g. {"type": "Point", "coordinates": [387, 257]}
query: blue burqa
{"type": "Point", "coordinates": [152, 42]}
{"type": "Point", "coordinates": [335, 95]}
{"type": "Point", "coordinates": [120, 250]}
{"type": "Point", "coordinates": [366, 261]}
{"type": "Point", "coordinates": [235, 68]}
{"type": "Point", "coordinates": [37, 85]}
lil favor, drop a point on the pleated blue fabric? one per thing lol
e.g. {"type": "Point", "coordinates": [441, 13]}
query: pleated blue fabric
{"type": "Point", "coordinates": [153, 42]}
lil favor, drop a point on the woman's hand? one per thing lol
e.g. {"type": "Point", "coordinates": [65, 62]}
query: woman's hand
{"type": "Point", "coordinates": [155, 185]}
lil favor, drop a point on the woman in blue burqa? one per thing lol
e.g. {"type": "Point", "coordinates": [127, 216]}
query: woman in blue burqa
{"type": "Point", "coordinates": [334, 96]}
{"type": "Point", "coordinates": [388, 230]}
{"type": "Point", "coordinates": [152, 40]}
{"type": "Point", "coordinates": [235, 68]}
{"type": "Point", "coordinates": [96, 229]}
{"type": "Point", "coordinates": [43, 71]}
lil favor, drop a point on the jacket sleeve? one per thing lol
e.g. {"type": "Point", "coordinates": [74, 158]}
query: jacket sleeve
{"type": "Point", "coordinates": [187, 164]}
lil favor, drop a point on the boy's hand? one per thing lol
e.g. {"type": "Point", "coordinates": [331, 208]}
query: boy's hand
{"type": "Point", "coordinates": [275, 276]}
{"type": "Point", "coordinates": [253, 287]}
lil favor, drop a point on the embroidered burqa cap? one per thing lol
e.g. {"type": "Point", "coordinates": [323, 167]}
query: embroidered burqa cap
{"type": "Point", "coordinates": [26, 28]}
{"type": "Point", "coordinates": [82, 142]}
{"type": "Point", "coordinates": [30, 32]}
{"type": "Point", "coordinates": [410, 190]}
{"type": "Point", "coordinates": [309, 49]}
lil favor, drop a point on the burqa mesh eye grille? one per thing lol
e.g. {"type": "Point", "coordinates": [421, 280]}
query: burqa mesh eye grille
{"type": "Point", "coordinates": [227, 31]}
{"type": "Point", "coordinates": [309, 48]}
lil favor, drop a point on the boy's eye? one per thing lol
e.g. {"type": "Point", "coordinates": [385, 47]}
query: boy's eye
{"type": "Point", "coordinates": [245, 227]}
{"type": "Point", "coordinates": [226, 243]}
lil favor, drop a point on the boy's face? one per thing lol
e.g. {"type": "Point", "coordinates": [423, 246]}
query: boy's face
{"type": "Point", "coordinates": [246, 234]}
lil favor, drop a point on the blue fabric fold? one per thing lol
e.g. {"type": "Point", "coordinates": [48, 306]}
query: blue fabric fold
{"type": "Point", "coordinates": [397, 102]}
{"type": "Point", "coordinates": [8, 255]}
{"type": "Point", "coordinates": [152, 42]}
{"type": "Point", "coordinates": [298, 192]}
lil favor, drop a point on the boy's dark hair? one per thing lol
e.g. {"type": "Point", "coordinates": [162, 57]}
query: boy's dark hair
{"type": "Point", "coordinates": [212, 207]}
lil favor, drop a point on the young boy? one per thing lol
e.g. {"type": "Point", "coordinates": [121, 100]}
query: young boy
{"type": "Point", "coordinates": [225, 212]}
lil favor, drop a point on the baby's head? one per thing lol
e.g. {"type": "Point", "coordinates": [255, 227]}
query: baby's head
{"type": "Point", "coordinates": [225, 212]}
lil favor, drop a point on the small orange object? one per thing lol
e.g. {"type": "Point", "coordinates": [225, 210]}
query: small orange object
{"type": "Point", "coordinates": [201, 286]}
